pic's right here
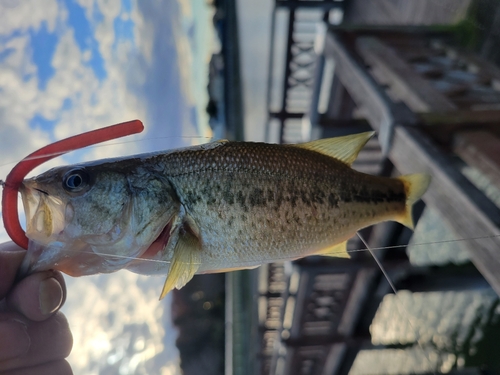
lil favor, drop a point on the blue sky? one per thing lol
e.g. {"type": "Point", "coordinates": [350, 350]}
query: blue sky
{"type": "Point", "coordinates": [69, 66]}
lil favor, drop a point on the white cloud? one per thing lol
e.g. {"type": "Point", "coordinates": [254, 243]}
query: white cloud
{"type": "Point", "coordinates": [195, 53]}
{"type": "Point", "coordinates": [105, 33]}
{"type": "Point", "coordinates": [95, 103]}
{"type": "Point", "coordinates": [123, 95]}
{"type": "Point", "coordinates": [150, 78]}
{"type": "Point", "coordinates": [254, 29]}
{"type": "Point", "coordinates": [26, 14]}
{"type": "Point", "coordinates": [16, 98]}
{"type": "Point", "coordinates": [140, 83]}
{"type": "Point", "coordinates": [120, 330]}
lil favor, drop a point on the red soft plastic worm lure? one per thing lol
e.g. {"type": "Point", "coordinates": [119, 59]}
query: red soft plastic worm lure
{"type": "Point", "coordinates": [33, 160]}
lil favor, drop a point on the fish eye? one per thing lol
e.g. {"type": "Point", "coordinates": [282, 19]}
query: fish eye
{"type": "Point", "coordinates": [75, 180]}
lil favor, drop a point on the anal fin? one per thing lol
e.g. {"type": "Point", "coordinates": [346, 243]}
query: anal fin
{"type": "Point", "coordinates": [185, 262]}
{"type": "Point", "coordinates": [339, 251]}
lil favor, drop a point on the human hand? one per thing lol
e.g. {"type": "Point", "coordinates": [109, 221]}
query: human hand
{"type": "Point", "coordinates": [34, 337]}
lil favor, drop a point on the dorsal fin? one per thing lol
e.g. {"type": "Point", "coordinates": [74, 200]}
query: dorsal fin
{"type": "Point", "coordinates": [345, 149]}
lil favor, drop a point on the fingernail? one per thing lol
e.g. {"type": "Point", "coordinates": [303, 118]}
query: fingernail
{"type": "Point", "coordinates": [50, 296]}
{"type": "Point", "coordinates": [15, 340]}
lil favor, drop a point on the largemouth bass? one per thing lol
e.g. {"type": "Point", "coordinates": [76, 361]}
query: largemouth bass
{"type": "Point", "coordinates": [218, 207]}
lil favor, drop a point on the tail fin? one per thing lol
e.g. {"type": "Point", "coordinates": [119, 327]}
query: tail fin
{"type": "Point", "coordinates": [415, 187]}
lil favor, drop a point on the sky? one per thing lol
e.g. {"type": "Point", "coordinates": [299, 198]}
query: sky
{"type": "Point", "coordinates": [254, 28]}
{"type": "Point", "coordinates": [70, 66]}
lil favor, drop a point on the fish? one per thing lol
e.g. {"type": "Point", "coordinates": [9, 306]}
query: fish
{"type": "Point", "coordinates": [217, 207]}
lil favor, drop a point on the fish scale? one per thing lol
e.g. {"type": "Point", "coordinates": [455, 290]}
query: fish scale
{"type": "Point", "coordinates": [257, 202]}
{"type": "Point", "coordinates": [211, 208]}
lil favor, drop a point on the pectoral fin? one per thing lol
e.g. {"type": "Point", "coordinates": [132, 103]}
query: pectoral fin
{"type": "Point", "coordinates": [185, 262]}
{"type": "Point", "coordinates": [339, 251]}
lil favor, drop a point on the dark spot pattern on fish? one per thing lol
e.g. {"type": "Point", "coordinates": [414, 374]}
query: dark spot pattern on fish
{"type": "Point", "coordinates": [241, 199]}
{"type": "Point", "coordinates": [390, 196]}
{"type": "Point", "coordinates": [279, 199]}
{"type": "Point", "coordinates": [270, 195]}
{"type": "Point", "coordinates": [207, 194]}
{"type": "Point", "coordinates": [98, 207]}
{"type": "Point", "coordinates": [305, 198]}
{"type": "Point", "coordinates": [347, 198]}
{"type": "Point", "coordinates": [257, 198]}
{"type": "Point", "coordinates": [191, 198]}
{"type": "Point", "coordinates": [227, 195]}
{"type": "Point", "coordinates": [318, 196]}
{"type": "Point", "coordinates": [269, 223]}
{"type": "Point", "coordinates": [207, 187]}
{"type": "Point", "coordinates": [333, 201]}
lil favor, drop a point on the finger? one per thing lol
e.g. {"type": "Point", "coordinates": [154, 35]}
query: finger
{"type": "Point", "coordinates": [60, 367]}
{"type": "Point", "coordinates": [11, 257]}
{"type": "Point", "coordinates": [38, 296]}
{"type": "Point", "coordinates": [50, 340]}
{"type": "Point", "coordinates": [15, 340]}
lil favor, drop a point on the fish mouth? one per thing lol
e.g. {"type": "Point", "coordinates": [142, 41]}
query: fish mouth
{"type": "Point", "coordinates": [45, 214]}
{"type": "Point", "coordinates": [44, 224]}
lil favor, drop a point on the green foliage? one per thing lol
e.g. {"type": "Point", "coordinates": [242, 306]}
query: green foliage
{"type": "Point", "coordinates": [469, 31]}
{"type": "Point", "coordinates": [467, 34]}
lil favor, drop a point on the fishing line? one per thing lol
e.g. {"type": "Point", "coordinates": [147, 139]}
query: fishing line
{"type": "Point", "coordinates": [160, 261]}
{"type": "Point", "coordinates": [371, 250]}
{"type": "Point", "coordinates": [393, 287]}
{"type": "Point", "coordinates": [2, 183]}
{"type": "Point", "coordinates": [382, 268]}
{"type": "Point", "coordinates": [116, 256]}
{"type": "Point", "coordinates": [428, 243]}
{"type": "Point", "coordinates": [428, 354]}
